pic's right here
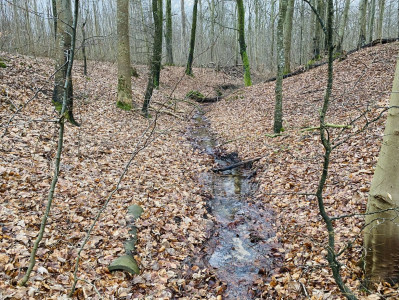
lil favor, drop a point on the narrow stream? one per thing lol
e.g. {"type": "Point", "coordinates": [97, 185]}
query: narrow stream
{"type": "Point", "coordinates": [238, 250]}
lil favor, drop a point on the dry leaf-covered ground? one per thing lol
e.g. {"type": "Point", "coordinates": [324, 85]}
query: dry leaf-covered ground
{"type": "Point", "coordinates": [163, 178]}
{"type": "Point", "coordinates": [292, 163]}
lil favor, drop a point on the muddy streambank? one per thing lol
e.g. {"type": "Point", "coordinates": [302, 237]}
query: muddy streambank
{"type": "Point", "coordinates": [238, 249]}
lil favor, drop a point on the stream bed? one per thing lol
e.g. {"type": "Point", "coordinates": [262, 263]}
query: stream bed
{"type": "Point", "coordinates": [238, 248]}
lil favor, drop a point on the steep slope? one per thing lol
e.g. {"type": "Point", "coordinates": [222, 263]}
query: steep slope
{"type": "Point", "coordinates": [291, 165]}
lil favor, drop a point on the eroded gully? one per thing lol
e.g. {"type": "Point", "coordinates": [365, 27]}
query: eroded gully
{"type": "Point", "coordinates": [238, 248]}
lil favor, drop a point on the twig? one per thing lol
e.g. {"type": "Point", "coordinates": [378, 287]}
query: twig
{"type": "Point", "coordinates": [139, 146]}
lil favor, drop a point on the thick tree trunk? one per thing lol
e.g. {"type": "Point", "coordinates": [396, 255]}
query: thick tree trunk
{"type": "Point", "coordinates": [62, 49]}
{"type": "Point", "coordinates": [124, 68]}
{"type": "Point", "coordinates": [189, 68]}
{"type": "Point", "coordinates": [371, 20]}
{"type": "Point", "coordinates": [288, 36]}
{"type": "Point", "coordinates": [243, 46]}
{"type": "Point", "coordinates": [362, 24]}
{"type": "Point", "coordinates": [342, 25]}
{"type": "Point", "coordinates": [381, 236]}
{"type": "Point", "coordinates": [381, 7]}
{"type": "Point", "coordinates": [168, 33]}
{"type": "Point", "coordinates": [278, 109]}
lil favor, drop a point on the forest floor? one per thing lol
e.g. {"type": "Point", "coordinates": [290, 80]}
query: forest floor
{"type": "Point", "coordinates": [164, 178]}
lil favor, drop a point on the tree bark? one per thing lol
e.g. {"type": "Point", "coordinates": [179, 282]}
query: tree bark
{"type": "Point", "coordinates": [278, 108]}
{"type": "Point", "coordinates": [169, 33]}
{"type": "Point", "coordinates": [381, 236]}
{"type": "Point", "coordinates": [243, 46]}
{"type": "Point", "coordinates": [189, 67]}
{"type": "Point", "coordinates": [362, 24]}
{"type": "Point", "coordinates": [124, 67]}
{"type": "Point", "coordinates": [60, 142]}
{"type": "Point", "coordinates": [381, 7]}
{"type": "Point", "coordinates": [288, 36]}
{"type": "Point", "coordinates": [371, 20]}
{"type": "Point", "coordinates": [342, 26]}
{"type": "Point", "coordinates": [155, 69]}
{"type": "Point", "coordinates": [62, 49]}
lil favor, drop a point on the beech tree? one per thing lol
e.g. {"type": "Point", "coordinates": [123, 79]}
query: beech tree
{"type": "Point", "coordinates": [288, 36]}
{"type": "Point", "coordinates": [63, 41]}
{"type": "Point", "coordinates": [381, 236]}
{"type": "Point", "coordinates": [189, 67]}
{"type": "Point", "coordinates": [243, 46]}
{"type": "Point", "coordinates": [169, 33]}
{"type": "Point", "coordinates": [124, 67]}
{"type": "Point", "coordinates": [362, 23]}
{"type": "Point", "coordinates": [278, 108]}
{"type": "Point", "coordinates": [381, 8]}
{"type": "Point", "coordinates": [342, 25]}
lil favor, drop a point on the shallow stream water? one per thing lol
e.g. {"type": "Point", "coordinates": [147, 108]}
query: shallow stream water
{"type": "Point", "coordinates": [238, 249]}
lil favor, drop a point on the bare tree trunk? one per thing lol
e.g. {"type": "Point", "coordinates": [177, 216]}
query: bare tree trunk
{"type": "Point", "coordinates": [212, 30]}
{"type": "Point", "coordinates": [342, 26]}
{"type": "Point", "coordinates": [243, 46]}
{"type": "Point", "coordinates": [381, 237]}
{"type": "Point", "coordinates": [381, 7]}
{"type": "Point", "coordinates": [362, 23]}
{"type": "Point", "coordinates": [189, 67]}
{"type": "Point", "coordinates": [32, 261]}
{"type": "Point", "coordinates": [278, 108]}
{"type": "Point", "coordinates": [168, 33]}
{"type": "Point", "coordinates": [155, 69]}
{"type": "Point", "coordinates": [371, 20]}
{"type": "Point", "coordinates": [62, 49]}
{"type": "Point", "coordinates": [288, 36]}
{"type": "Point", "coordinates": [183, 26]}
{"type": "Point", "coordinates": [124, 66]}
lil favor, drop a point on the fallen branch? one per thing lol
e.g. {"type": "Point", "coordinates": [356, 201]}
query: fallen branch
{"type": "Point", "coordinates": [236, 165]}
{"type": "Point", "coordinates": [167, 113]}
{"type": "Point", "coordinates": [327, 125]}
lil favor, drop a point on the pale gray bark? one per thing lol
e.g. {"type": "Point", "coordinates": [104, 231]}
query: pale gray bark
{"type": "Point", "coordinates": [124, 67]}
{"type": "Point", "coordinates": [381, 236]}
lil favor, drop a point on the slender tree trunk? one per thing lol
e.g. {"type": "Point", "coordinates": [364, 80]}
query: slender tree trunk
{"type": "Point", "coordinates": [155, 69]}
{"type": "Point", "coordinates": [342, 25]}
{"type": "Point", "coordinates": [157, 58]}
{"type": "Point", "coordinates": [63, 46]}
{"type": "Point", "coordinates": [371, 20]}
{"type": "Point", "coordinates": [381, 7]}
{"type": "Point", "coordinates": [362, 23]}
{"type": "Point", "coordinates": [318, 31]}
{"type": "Point", "coordinates": [189, 67]}
{"type": "Point", "coordinates": [183, 25]}
{"type": "Point", "coordinates": [168, 33]}
{"type": "Point", "coordinates": [278, 109]}
{"type": "Point", "coordinates": [243, 46]}
{"type": "Point", "coordinates": [124, 66]}
{"type": "Point", "coordinates": [302, 13]}
{"type": "Point", "coordinates": [288, 36]}
{"type": "Point", "coordinates": [84, 47]}
{"type": "Point", "coordinates": [212, 30]}
{"type": "Point", "coordinates": [32, 261]}
{"type": "Point", "coordinates": [272, 22]}
{"type": "Point", "coordinates": [332, 256]}
{"type": "Point", "coordinates": [381, 236]}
